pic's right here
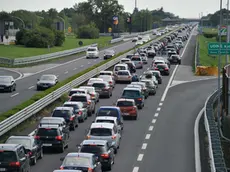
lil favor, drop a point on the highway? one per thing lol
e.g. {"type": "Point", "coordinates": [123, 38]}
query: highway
{"type": "Point", "coordinates": [135, 132]}
{"type": "Point", "coordinates": [26, 87]}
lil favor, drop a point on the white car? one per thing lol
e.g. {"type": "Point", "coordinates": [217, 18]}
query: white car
{"type": "Point", "coordinates": [123, 76]}
{"type": "Point", "coordinates": [180, 43]}
{"type": "Point", "coordinates": [92, 80]}
{"type": "Point", "coordinates": [118, 67]}
{"type": "Point", "coordinates": [158, 34]}
{"type": "Point", "coordinates": [107, 73]}
{"type": "Point", "coordinates": [135, 39]}
{"type": "Point", "coordinates": [92, 52]}
{"type": "Point", "coordinates": [77, 91]}
{"type": "Point", "coordinates": [139, 42]}
{"type": "Point", "coordinates": [108, 79]}
{"type": "Point", "coordinates": [124, 60]}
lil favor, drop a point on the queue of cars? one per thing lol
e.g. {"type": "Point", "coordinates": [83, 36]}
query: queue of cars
{"type": "Point", "coordinates": [102, 140]}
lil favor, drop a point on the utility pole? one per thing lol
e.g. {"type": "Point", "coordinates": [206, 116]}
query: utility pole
{"type": "Point", "coordinates": [227, 40]}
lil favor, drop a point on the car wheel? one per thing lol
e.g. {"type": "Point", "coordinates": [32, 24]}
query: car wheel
{"type": "Point", "coordinates": [11, 89]}
{"type": "Point", "coordinates": [73, 128]}
{"type": "Point", "coordinates": [38, 88]}
{"type": "Point", "coordinates": [34, 161]}
{"type": "Point", "coordinates": [108, 96]}
{"type": "Point", "coordinates": [14, 87]}
{"type": "Point", "coordinates": [61, 149]}
{"type": "Point", "coordinates": [41, 154]}
{"type": "Point", "coordinates": [140, 107]}
{"type": "Point", "coordinates": [135, 117]}
{"type": "Point", "coordinates": [115, 150]}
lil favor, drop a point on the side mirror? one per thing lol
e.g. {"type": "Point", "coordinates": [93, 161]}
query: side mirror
{"type": "Point", "coordinates": [62, 159]}
{"type": "Point", "coordinates": [93, 121]}
{"type": "Point", "coordinates": [78, 146]}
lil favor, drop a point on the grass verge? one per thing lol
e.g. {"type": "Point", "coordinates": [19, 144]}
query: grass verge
{"type": "Point", "coordinates": [16, 51]}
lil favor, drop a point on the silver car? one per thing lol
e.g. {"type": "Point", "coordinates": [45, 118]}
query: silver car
{"type": "Point", "coordinates": [144, 58]}
{"type": "Point", "coordinates": [137, 61]}
{"type": "Point", "coordinates": [150, 86]}
{"type": "Point", "coordinates": [92, 92]}
{"type": "Point", "coordinates": [46, 81]}
{"type": "Point", "coordinates": [149, 75]}
{"type": "Point", "coordinates": [105, 131]}
{"type": "Point", "coordinates": [108, 79]}
{"type": "Point", "coordinates": [123, 76]}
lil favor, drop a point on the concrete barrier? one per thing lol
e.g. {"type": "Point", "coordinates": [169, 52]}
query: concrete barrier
{"type": "Point", "coordinates": [206, 71]}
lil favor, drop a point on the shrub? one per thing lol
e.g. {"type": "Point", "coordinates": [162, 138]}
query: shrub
{"type": "Point", "coordinates": [223, 38]}
{"type": "Point", "coordinates": [40, 38]}
{"type": "Point", "coordinates": [59, 38]}
{"type": "Point", "coordinates": [20, 37]}
{"type": "Point", "coordinates": [88, 32]}
{"type": "Point", "coordinates": [209, 35]}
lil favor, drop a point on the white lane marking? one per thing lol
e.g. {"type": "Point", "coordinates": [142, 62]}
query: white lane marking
{"type": "Point", "coordinates": [140, 157]}
{"type": "Point", "coordinates": [82, 65]}
{"type": "Point", "coordinates": [175, 69]}
{"type": "Point", "coordinates": [154, 121]}
{"type": "Point", "coordinates": [158, 109]}
{"type": "Point", "coordinates": [151, 128]}
{"type": "Point", "coordinates": [160, 104]}
{"type": "Point", "coordinates": [31, 87]}
{"type": "Point", "coordinates": [11, 70]}
{"type": "Point", "coordinates": [156, 114]}
{"type": "Point", "coordinates": [197, 141]}
{"type": "Point", "coordinates": [75, 68]}
{"type": "Point", "coordinates": [147, 136]}
{"type": "Point", "coordinates": [144, 146]}
{"type": "Point", "coordinates": [66, 72]}
{"type": "Point", "coordinates": [14, 95]}
{"type": "Point", "coordinates": [135, 169]}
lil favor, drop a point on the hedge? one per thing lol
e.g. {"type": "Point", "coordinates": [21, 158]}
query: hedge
{"type": "Point", "coordinates": [42, 94]}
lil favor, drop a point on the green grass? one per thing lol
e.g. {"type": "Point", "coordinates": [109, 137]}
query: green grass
{"type": "Point", "coordinates": [15, 51]}
{"type": "Point", "coordinates": [210, 30]}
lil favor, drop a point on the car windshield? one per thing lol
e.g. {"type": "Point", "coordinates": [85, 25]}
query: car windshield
{"type": "Point", "coordinates": [47, 78]}
{"type": "Point", "coordinates": [136, 59]}
{"type": "Point", "coordinates": [107, 112]}
{"type": "Point", "coordinates": [98, 85]}
{"type": "Point", "coordinates": [78, 99]}
{"type": "Point", "coordinates": [5, 79]}
{"type": "Point", "coordinates": [124, 103]}
{"type": "Point", "coordinates": [7, 156]}
{"type": "Point", "coordinates": [95, 149]}
{"type": "Point", "coordinates": [156, 74]}
{"type": "Point", "coordinates": [131, 93]}
{"type": "Point", "coordinates": [104, 121]}
{"type": "Point", "coordinates": [122, 73]}
{"type": "Point", "coordinates": [24, 142]}
{"type": "Point", "coordinates": [47, 132]}
{"type": "Point", "coordinates": [100, 132]}
{"type": "Point", "coordinates": [117, 68]}
{"type": "Point", "coordinates": [61, 113]}
{"type": "Point", "coordinates": [76, 161]}
{"type": "Point", "coordinates": [74, 106]}
{"type": "Point", "coordinates": [91, 49]}
{"type": "Point", "coordinates": [76, 92]}
{"type": "Point", "coordinates": [105, 73]}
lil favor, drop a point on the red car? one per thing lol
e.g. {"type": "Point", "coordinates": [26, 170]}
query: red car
{"type": "Point", "coordinates": [128, 108]}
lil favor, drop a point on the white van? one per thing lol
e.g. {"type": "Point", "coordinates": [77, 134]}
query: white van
{"type": "Point", "coordinates": [118, 67]}
{"type": "Point", "coordinates": [92, 52]}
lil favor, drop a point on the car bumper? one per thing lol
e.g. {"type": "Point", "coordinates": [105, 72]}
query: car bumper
{"type": "Point", "coordinates": [5, 88]}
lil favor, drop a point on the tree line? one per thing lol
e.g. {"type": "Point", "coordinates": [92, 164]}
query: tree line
{"type": "Point", "coordinates": [87, 19]}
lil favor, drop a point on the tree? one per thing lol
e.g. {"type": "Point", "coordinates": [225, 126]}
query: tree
{"type": "Point", "coordinates": [78, 20]}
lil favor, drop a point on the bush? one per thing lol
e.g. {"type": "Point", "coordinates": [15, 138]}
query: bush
{"type": "Point", "coordinates": [209, 35]}
{"type": "Point", "coordinates": [40, 38]}
{"type": "Point", "coordinates": [88, 32]}
{"type": "Point", "coordinates": [20, 37]}
{"type": "Point", "coordinates": [59, 38]}
{"type": "Point", "coordinates": [223, 38]}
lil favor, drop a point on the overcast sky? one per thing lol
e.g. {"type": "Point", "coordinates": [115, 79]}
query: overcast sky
{"type": "Point", "coordinates": [183, 8]}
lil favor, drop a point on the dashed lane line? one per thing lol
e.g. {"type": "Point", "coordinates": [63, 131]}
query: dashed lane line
{"type": "Point", "coordinates": [140, 157]}
{"type": "Point", "coordinates": [31, 87]}
{"type": "Point", "coordinates": [147, 137]}
{"type": "Point", "coordinates": [154, 121]}
{"type": "Point", "coordinates": [14, 95]}
{"type": "Point", "coordinates": [144, 146]}
{"type": "Point", "coordinates": [135, 169]}
{"type": "Point", "coordinates": [75, 68]}
{"type": "Point", "coordinates": [159, 109]}
{"type": "Point", "coordinates": [151, 128]}
{"type": "Point", "coordinates": [156, 114]}
{"type": "Point", "coordinates": [160, 104]}
{"type": "Point", "coordinates": [66, 72]}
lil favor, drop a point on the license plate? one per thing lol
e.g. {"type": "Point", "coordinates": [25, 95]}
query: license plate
{"type": "Point", "coordinates": [126, 113]}
{"type": "Point", "coordinates": [2, 169]}
{"type": "Point", "coordinates": [47, 144]}
{"type": "Point", "coordinates": [45, 85]}
{"type": "Point", "coordinates": [161, 69]}
{"type": "Point", "coordinates": [174, 60]}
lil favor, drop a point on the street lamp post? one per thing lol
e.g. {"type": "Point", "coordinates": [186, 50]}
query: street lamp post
{"type": "Point", "coordinates": [227, 40]}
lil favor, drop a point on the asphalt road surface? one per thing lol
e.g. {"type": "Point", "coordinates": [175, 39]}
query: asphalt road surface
{"type": "Point", "coordinates": [9, 72]}
{"type": "Point", "coordinates": [132, 139]}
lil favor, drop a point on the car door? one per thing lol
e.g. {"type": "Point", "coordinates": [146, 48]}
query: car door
{"type": "Point", "coordinates": [23, 158]}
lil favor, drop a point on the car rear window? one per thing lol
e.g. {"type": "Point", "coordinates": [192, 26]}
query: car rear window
{"type": "Point", "coordinates": [105, 121]}
{"type": "Point", "coordinates": [74, 106]}
{"type": "Point", "coordinates": [161, 66]}
{"type": "Point", "coordinates": [107, 112]}
{"type": "Point", "coordinates": [77, 161]}
{"type": "Point", "coordinates": [117, 68]}
{"type": "Point", "coordinates": [95, 149]}
{"type": "Point", "coordinates": [47, 132]}
{"type": "Point", "coordinates": [131, 93]}
{"type": "Point", "coordinates": [159, 63]}
{"type": "Point", "coordinates": [76, 92]}
{"type": "Point", "coordinates": [79, 99]}
{"type": "Point", "coordinates": [98, 85]}
{"type": "Point", "coordinates": [100, 132]}
{"type": "Point", "coordinates": [25, 142]}
{"type": "Point", "coordinates": [7, 156]}
{"type": "Point", "coordinates": [122, 73]}
{"type": "Point", "coordinates": [61, 113]}
{"type": "Point", "coordinates": [136, 59]}
{"type": "Point", "coordinates": [124, 103]}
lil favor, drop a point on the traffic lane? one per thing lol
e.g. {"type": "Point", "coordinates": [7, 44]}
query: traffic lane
{"type": "Point", "coordinates": [8, 72]}
{"type": "Point", "coordinates": [171, 147]}
{"type": "Point", "coordinates": [133, 131]}
{"type": "Point", "coordinates": [189, 54]}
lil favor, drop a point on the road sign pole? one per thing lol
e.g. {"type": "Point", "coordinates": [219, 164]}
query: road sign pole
{"type": "Point", "coordinates": [228, 31]}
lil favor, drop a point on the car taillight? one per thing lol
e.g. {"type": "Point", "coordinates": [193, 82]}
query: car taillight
{"type": "Point", "coordinates": [140, 62]}
{"type": "Point", "coordinates": [156, 68]}
{"type": "Point", "coordinates": [129, 76]}
{"type": "Point", "coordinates": [110, 82]}
{"type": "Point", "coordinates": [92, 95]}
{"type": "Point", "coordinates": [139, 99]}
{"type": "Point", "coordinates": [71, 119]}
{"type": "Point", "coordinates": [58, 138]}
{"type": "Point", "coordinates": [88, 102]}
{"type": "Point", "coordinates": [30, 153]}
{"type": "Point", "coordinates": [37, 137]}
{"type": "Point", "coordinates": [90, 170]}
{"type": "Point", "coordinates": [134, 109]}
{"type": "Point", "coordinates": [114, 137]}
{"type": "Point", "coordinates": [79, 112]}
{"type": "Point", "coordinates": [166, 68]}
{"type": "Point", "coordinates": [15, 164]}
{"type": "Point", "coordinates": [87, 137]}
{"type": "Point", "coordinates": [106, 88]}
{"type": "Point", "coordinates": [105, 155]}
{"type": "Point", "coordinates": [61, 168]}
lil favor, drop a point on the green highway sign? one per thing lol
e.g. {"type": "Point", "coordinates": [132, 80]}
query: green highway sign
{"type": "Point", "coordinates": [213, 48]}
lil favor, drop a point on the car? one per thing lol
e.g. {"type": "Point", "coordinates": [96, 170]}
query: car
{"type": "Point", "coordinates": [139, 42]}
{"type": "Point", "coordinates": [79, 111]}
{"type": "Point", "coordinates": [46, 81]}
{"type": "Point", "coordinates": [92, 80]}
{"type": "Point", "coordinates": [111, 111]}
{"type": "Point", "coordinates": [124, 60]}
{"type": "Point", "coordinates": [54, 121]}
{"type": "Point", "coordinates": [151, 52]}
{"type": "Point", "coordinates": [163, 68]}
{"type": "Point", "coordinates": [92, 52]}
{"type": "Point", "coordinates": [108, 54]}
{"type": "Point", "coordinates": [13, 157]}
{"type": "Point", "coordinates": [7, 83]}
{"type": "Point", "coordinates": [106, 72]}
{"type": "Point", "coordinates": [118, 67]}
{"type": "Point", "coordinates": [175, 59]}
{"type": "Point", "coordinates": [137, 61]}
{"type": "Point", "coordinates": [135, 39]}
{"type": "Point", "coordinates": [150, 86]}
{"type": "Point", "coordinates": [157, 74]}
{"type": "Point", "coordinates": [93, 94]}
{"type": "Point", "coordinates": [160, 60]}
{"type": "Point", "coordinates": [53, 136]}
{"type": "Point", "coordinates": [151, 76]}
{"type": "Point", "coordinates": [101, 149]}
{"type": "Point", "coordinates": [105, 131]}
{"type": "Point", "coordinates": [143, 88]}
{"type": "Point", "coordinates": [129, 56]}
{"type": "Point", "coordinates": [144, 58]}
{"type": "Point", "coordinates": [134, 93]}
{"type": "Point", "coordinates": [77, 91]}
{"type": "Point", "coordinates": [68, 114]}
{"type": "Point", "coordinates": [108, 79]}
{"type": "Point", "coordinates": [128, 108]}
{"type": "Point", "coordinates": [123, 76]}
{"type": "Point", "coordinates": [103, 89]}
{"type": "Point", "coordinates": [68, 170]}
{"type": "Point", "coordinates": [86, 100]}
{"type": "Point", "coordinates": [109, 119]}
{"type": "Point", "coordinates": [85, 162]}
{"type": "Point", "coordinates": [33, 148]}
{"type": "Point", "coordinates": [135, 78]}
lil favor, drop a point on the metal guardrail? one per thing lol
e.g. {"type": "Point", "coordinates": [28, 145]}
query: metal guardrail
{"type": "Point", "coordinates": [34, 108]}
{"type": "Point", "coordinates": [116, 40]}
{"type": "Point", "coordinates": [216, 157]}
